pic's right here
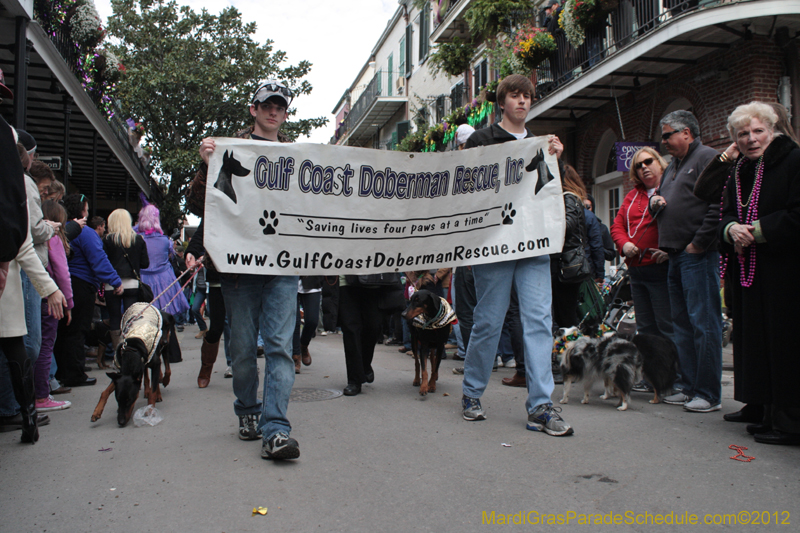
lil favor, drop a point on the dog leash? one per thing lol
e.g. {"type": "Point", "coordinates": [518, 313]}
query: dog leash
{"type": "Point", "coordinates": [195, 269]}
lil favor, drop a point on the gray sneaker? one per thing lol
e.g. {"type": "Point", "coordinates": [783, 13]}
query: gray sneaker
{"type": "Point", "coordinates": [676, 398]}
{"type": "Point", "coordinates": [699, 405]}
{"type": "Point", "coordinates": [228, 372]}
{"type": "Point", "coordinates": [280, 446]}
{"type": "Point", "coordinates": [472, 409]}
{"type": "Point", "coordinates": [248, 427]}
{"type": "Point", "coordinates": [459, 371]}
{"type": "Point", "coordinates": [547, 418]}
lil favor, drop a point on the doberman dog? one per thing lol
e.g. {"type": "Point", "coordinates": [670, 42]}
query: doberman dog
{"type": "Point", "coordinates": [540, 166]}
{"type": "Point", "coordinates": [140, 349]}
{"type": "Point", "coordinates": [429, 317]}
{"type": "Point", "coordinates": [230, 166]}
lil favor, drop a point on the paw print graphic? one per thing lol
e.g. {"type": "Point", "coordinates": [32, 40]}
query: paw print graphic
{"type": "Point", "coordinates": [508, 213]}
{"type": "Point", "coordinates": [268, 222]}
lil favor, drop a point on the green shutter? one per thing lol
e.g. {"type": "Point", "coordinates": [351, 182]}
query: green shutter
{"type": "Point", "coordinates": [389, 76]}
{"type": "Point", "coordinates": [378, 75]}
{"type": "Point", "coordinates": [401, 66]}
{"type": "Point", "coordinates": [409, 44]}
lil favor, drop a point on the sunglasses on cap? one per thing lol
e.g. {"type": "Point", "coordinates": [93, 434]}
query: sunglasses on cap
{"type": "Point", "coordinates": [273, 88]}
{"type": "Point", "coordinates": [640, 164]}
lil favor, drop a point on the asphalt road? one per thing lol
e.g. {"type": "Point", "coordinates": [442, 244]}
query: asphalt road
{"type": "Point", "coordinates": [388, 460]}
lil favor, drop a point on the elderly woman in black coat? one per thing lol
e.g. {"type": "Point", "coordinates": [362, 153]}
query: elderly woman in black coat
{"type": "Point", "coordinates": [760, 226]}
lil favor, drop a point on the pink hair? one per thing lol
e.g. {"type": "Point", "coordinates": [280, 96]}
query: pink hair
{"type": "Point", "coordinates": [149, 220]}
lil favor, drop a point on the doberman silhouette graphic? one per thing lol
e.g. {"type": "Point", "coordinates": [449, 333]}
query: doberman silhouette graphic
{"type": "Point", "coordinates": [230, 166]}
{"type": "Point", "coordinates": [538, 163]}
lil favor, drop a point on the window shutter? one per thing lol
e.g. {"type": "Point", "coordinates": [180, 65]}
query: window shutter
{"type": "Point", "coordinates": [424, 31]}
{"type": "Point", "coordinates": [390, 75]}
{"type": "Point", "coordinates": [402, 130]}
{"type": "Point", "coordinates": [379, 86]}
{"type": "Point", "coordinates": [409, 44]}
{"type": "Point", "coordinates": [401, 66]}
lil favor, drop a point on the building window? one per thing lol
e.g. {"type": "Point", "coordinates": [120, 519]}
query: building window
{"type": "Point", "coordinates": [424, 31]}
{"type": "Point", "coordinates": [480, 75]}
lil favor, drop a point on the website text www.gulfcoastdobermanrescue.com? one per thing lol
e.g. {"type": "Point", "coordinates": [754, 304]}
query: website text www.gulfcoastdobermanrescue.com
{"type": "Point", "coordinates": [332, 261]}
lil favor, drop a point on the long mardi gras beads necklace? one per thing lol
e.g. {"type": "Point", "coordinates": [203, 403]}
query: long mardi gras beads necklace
{"type": "Point", "coordinates": [748, 263]}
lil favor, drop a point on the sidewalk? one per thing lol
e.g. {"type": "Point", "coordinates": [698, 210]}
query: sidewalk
{"type": "Point", "coordinates": [385, 460]}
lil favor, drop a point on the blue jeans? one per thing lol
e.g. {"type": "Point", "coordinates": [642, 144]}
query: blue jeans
{"type": "Point", "coordinates": [199, 298]}
{"type": "Point", "coordinates": [493, 282]}
{"type": "Point", "coordinates": [33, 343]}
{"type": "Point", "coordinates": [650, 291]}
{"type": "Point", "coordinates": [697, 323]}
{"type": "Point", "coordinates": [267, 303]}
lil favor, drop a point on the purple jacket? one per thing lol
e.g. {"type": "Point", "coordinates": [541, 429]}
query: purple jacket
{"type": "Point", "coordinates": [58, 268]}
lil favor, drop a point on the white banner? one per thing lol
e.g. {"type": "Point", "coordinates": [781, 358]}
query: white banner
{"type": "Point", "coordinates": [290, 209]}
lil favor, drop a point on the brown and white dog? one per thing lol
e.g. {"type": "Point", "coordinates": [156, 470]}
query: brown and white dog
{"type": "Point", "coordinates": [145, 334]}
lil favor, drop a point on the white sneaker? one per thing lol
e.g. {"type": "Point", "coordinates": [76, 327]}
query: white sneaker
{"type": "Point", "coordinates": [324, 333]}
{"type": "Point", "coordinates": [500, 361]}
{"type": "Point", "coordinates": [699, 405]}
{"type": "Point", "coordinates": [228, 373]}
{"type": "Point", "coordinates": [677, 398]}
{"type": "Point", "coordinates": [511, 364]}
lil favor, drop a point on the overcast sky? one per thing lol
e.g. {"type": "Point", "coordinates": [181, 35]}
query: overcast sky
{"type": "Point", "coordinates": [335, 36]}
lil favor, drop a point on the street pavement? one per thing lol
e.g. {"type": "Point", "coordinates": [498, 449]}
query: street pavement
{"type": "Point", "coordinates": [389, 460]}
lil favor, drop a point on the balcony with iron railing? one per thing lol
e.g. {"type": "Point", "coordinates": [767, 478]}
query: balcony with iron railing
{"type": "Point", "coordinates": [383, 96]}
{"type": "Point", "coordinates": [106, 104]}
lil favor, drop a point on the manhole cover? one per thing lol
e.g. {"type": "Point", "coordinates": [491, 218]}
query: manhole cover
{"type": "Point", "coordinates": [313, 395]}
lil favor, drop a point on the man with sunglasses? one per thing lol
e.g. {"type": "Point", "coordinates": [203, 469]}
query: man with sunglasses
{"type": "Point", "coordinates": [253, 302]}
{"type": "Point", "coordinates": [687, 231]}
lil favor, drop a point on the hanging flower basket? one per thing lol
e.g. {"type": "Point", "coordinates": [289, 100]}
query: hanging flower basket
{"type": "Point", "coordinates": [586, 13]}
{"type": "Point", "coordinates": [86, 29]}
{"type": "Point", "coordinates": [109, 66]}
{"type": "Point", "coordinates": [490, 91]}
{"type": "Point", "coordinates": [533, 45]}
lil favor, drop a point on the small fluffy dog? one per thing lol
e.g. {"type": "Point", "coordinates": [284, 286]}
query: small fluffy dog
{"type": "Point", "coordinates": [619, 362]}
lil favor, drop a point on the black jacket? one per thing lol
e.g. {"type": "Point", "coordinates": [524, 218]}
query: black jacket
{"type": "Point", "coordinates": [137, 254]}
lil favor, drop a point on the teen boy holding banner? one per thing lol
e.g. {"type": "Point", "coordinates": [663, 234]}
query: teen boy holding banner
{"type": "Point", "coordinates": [493, 283]}
{"type": "Point", "coordinates": [268, 303]}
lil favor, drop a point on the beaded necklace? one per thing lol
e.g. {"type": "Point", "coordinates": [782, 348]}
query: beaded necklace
{"type": "Point", "coordinates": [628, 217]}
{"type": "Point", "coordinates": [746, 280]}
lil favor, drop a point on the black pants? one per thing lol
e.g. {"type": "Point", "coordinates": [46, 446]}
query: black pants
{"type": "Point", "coordinates": [215, 304]}
{"type": "Point", "coordinates": [361, 322]}
{"type": "Point", "coordinates": [68, 349]}
{"type": "Point", "coordinates": [20, 369]}
{"type": "Point", "coordinates": [565, 303]}
{"type": "Point", "coordinates": [117, 305]}
{"type": "Point", "coordinates": [466, 300]}
{"type": "Point", "coordinates": [330, 303]}
{"type": "Point", "coordinates": [310, 302]}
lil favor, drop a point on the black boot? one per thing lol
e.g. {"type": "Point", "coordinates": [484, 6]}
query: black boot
{"type": "Point", "coordinates": [22, 380]}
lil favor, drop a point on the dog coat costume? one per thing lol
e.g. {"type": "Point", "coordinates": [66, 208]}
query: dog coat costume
{"type": "Point", "coordinates": [444, 317]}
{"type": "Point", "coordinates": [141, 321]}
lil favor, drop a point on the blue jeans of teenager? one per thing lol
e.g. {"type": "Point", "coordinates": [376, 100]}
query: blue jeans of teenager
{"type": "Point", "coordinates": [650, 291]}
{"type": "Point", "coordinates": [268, 304]}
{"type": "Point", "coordinates": [199, 298]}
{"type": "Point", "coordinates": [493, 282]}
{"type": "Point", "coordinates": [33, 343]}
{"type": "Point", "coordinates": [697, 323]}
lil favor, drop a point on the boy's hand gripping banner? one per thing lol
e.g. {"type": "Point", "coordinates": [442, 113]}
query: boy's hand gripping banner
{"type": "Point", "coordinates": [289, 209]}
